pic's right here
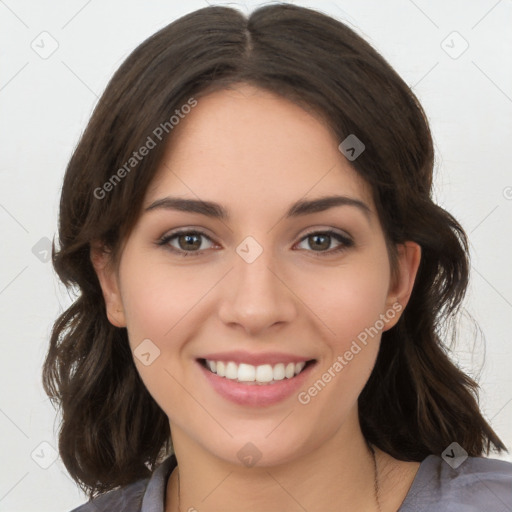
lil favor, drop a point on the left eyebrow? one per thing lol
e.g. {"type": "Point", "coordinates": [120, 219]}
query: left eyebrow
{"type": "Point", "coordinates": [297, 209]}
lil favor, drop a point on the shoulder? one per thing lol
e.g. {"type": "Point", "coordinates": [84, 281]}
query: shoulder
{"type": "Point", "coordinates": [478, 483]}
{"type": "Point", "coordinates": [127, 499]}
{"type": "Point", "coordinates": [142, 495]}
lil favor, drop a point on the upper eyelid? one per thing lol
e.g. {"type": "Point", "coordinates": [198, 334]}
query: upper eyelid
{"type": "Point", "coordinates": [181, 231]}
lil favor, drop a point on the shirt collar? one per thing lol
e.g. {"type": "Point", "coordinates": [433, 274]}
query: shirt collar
{"type": "Point", "coordinates": [154, 497]}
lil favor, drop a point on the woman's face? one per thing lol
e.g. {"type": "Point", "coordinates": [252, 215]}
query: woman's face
{"type": "Point", "coordinates": [263, 286]}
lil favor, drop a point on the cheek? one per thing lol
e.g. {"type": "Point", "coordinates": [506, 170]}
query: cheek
{"type": "Point", "coordinates": [159, 301]}
{"type": "Point", "coordinates": [351, 303]}
{"type": "Point", "coordinates": [353, 300]}
{"type": "Point", "coordinates": [157, 296]}
{"type": "Point", "coordinates": [355, 312]}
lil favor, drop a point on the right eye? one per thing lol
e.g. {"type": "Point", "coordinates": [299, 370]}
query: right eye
{"type": "Point", "coordinates": [188, 242]}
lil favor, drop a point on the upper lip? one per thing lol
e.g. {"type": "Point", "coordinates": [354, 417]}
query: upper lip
{"type": "Point", "coordinates": [255, 359]}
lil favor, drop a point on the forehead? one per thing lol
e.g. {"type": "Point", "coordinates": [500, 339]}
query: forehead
{"type": "Point", "coordinates": [246, 145]}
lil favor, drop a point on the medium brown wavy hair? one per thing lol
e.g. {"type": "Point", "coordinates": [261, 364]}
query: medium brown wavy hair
{"type": "Point", "coordinates": [417, 401]}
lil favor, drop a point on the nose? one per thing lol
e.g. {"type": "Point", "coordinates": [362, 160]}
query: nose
{"type": "Point", "coordinates": [255, 296]}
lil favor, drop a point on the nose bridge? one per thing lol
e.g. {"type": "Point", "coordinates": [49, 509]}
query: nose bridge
{"type": "Point", "coordinates": [256, 297]}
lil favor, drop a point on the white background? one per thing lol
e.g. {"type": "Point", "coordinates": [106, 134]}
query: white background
{"type": "Point", "coordinates": [46, 103]}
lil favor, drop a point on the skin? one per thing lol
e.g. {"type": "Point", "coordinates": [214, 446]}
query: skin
{"type": "Point", "coordinates": [257, 153]}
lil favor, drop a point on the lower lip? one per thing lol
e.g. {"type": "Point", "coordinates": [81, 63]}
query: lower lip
{"type": "Point", "coordinates": [256, 395]}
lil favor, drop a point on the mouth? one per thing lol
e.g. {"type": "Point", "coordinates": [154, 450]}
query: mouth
{"type": "Point", "coordinates": [257, 385]}
{"type": "Point", "coordinates": [255, 375]}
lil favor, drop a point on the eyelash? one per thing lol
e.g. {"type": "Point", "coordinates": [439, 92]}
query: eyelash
{"type": "Point", "coordinates": [345, 242]}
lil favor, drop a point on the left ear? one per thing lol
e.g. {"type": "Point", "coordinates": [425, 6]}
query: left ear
{"type": "Point", "coordinates": [408, 262]}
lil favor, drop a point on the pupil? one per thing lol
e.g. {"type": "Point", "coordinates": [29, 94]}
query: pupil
{"type": "Point", "coordinates": [325, 245]}
{"type": "Point", "coordinates": [189, 240]}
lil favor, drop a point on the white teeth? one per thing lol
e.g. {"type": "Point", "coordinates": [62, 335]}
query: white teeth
{"type": "Point", "coordinates": [279, 372]}
{"type": "Point", "coordinates": [264, 373]}
{"type": "Point", "coordinates": [246, 373]}
{"type": "Point", "coordinates": [221, 369]}
{"type": "Point", "coordinates": [290, 370]}
{"type": "Point", "coordinates": [231, 370]}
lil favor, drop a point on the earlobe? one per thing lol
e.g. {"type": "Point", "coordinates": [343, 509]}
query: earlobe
{"type": "Point", "coordinates": [101, 261]}
{"type": "Point", "coordinates": [408, 262]}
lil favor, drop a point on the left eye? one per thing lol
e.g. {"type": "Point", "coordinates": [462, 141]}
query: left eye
{"type": "Point", "coordinates": [322, 240]}
{"type": "Point", "coordinates": [190, 242]}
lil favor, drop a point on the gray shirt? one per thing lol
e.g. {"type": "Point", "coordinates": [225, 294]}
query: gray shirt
{"type": "Point", "coordinates": [478, 484]}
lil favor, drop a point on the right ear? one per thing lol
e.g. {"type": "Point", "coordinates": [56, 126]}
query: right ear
{"type": "Point", "coordinates": [109, 282]}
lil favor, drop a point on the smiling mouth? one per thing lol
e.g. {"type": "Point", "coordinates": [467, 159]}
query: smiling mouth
{"type": "Point", "coordinates": [255, 375]}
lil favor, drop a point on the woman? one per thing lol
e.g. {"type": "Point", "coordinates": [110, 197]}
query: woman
{"type": "Point", "coordinates": [263, 278]}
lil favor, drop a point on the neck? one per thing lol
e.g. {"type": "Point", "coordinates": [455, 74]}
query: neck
{"type": "Point", "coordinates": [339, 474]}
